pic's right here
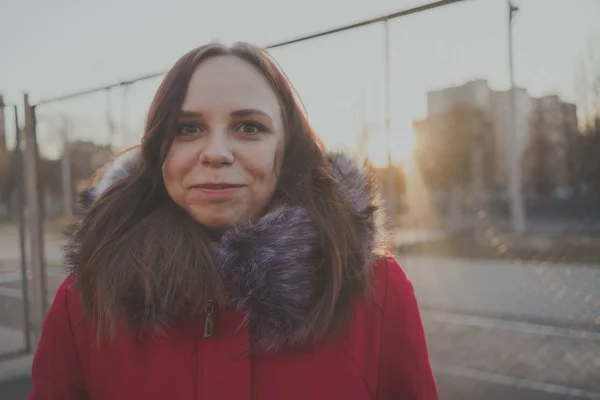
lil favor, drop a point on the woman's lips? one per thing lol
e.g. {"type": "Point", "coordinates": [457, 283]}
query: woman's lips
{"type": "Point", "coordinates": [216, 191]}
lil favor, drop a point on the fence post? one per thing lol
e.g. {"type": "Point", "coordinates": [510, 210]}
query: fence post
{"type": "Point", "coordinates": [35, 221]}
{"type": "Point", "coordinates": [3, 149]}
{"type": "Point", "coordinates": [4, 159]}
{"type": "Point", "coordinates": [66, 175]}
{"type": "Point", "coordinates": [20, 211]}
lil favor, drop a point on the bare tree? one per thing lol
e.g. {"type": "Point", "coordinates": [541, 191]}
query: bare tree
{"type": "Point", "coordinates": [537, 159]}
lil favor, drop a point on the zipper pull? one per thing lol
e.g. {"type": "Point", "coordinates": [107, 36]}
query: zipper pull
{"type": "Point", "coordinates": [208, 322]}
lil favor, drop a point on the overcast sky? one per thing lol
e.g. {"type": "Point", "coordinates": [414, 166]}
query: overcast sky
{"type": "Point", "coordinates": [48, 48]}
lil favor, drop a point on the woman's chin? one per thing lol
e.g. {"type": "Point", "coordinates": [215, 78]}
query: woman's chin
{"type": "Point", "coordinates": [221, 218]}
{"type": "Point", "coordinates": [220, 222]}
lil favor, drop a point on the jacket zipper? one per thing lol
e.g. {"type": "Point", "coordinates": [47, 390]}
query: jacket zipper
{"type": "Point", "coordinates": [209, 330]}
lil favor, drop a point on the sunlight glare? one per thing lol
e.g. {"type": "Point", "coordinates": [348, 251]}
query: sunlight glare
{"type": "Point", "coordinates": [402, 149]}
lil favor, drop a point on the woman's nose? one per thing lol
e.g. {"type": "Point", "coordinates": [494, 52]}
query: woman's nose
{"type": "Point", "coordinates": [217, 151]}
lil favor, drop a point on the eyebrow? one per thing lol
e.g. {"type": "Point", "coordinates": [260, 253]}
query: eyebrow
{"type": "Point", "coordinates": [237, 113]}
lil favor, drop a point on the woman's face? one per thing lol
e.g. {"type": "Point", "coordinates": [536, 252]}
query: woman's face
{"type": "Point", "coordinates": [223, 165]}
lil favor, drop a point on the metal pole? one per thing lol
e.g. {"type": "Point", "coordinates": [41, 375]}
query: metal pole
{"type": "Point", "coordinates": [517, 208]}
{"type": "Point", "coordinates": [4, 161]}
{"type": "Point", "coordinates": [21, 219]}
{"type": "Point", "coordinates": [35, 220]}
{"type": "Point", "coordinates": [478, 189]}
{"type": "Point", "coordinates": [3, 148]}
{"type": "Point", "coordinates": [391, 189]}
{"type": "Point", "coordinates": [66, 175]}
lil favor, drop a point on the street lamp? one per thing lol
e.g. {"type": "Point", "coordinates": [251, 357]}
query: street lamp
{"type": "Point", "coordinates": [517, 208]}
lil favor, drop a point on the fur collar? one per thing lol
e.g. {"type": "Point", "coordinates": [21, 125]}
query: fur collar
{"type": "Point", "coordinates": [267, 265]}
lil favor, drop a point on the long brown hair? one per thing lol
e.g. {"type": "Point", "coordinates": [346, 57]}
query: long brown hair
{"type": "Point", "coordinates": [138, 251]}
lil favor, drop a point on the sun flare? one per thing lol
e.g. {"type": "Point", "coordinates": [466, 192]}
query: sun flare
{"type": "Point", "coordinates": [402, 148]}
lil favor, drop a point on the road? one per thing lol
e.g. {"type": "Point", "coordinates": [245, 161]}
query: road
{"type": "Point", "coordinates": [554, 294]}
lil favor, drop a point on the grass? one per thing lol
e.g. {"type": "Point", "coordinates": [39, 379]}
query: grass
{"type": "Point", "coordinates": [555, 249]}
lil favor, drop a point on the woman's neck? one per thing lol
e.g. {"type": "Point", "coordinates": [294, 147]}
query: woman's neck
{"type": "Point", "coordinates": [215, 234]}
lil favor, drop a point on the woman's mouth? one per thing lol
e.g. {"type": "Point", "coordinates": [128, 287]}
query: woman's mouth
{"type": "Point", "coordinates": [217, 190]}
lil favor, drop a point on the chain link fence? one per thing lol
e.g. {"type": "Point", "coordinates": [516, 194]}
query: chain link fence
{"type": "Point", "coordinates": [521, 308]}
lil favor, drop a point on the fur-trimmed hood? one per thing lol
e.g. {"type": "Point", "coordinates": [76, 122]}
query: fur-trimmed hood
{"type": "Point", "coordinates": [267, 266]}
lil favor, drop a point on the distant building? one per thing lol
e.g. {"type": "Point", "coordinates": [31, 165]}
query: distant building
{"type": "Point", "coordinates": [493, 108]}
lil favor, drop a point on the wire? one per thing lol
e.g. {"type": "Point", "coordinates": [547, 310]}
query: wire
{"type": "Point", "coordinates": [403, 13]}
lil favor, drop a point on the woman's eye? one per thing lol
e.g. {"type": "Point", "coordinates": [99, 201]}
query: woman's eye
{"type": "Point", "coordinates": [250, 128]}
{"type": "Point", "coordinates": [189, 129]}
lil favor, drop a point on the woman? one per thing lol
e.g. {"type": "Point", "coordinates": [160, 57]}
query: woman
{"type": "Point", "coordinates": [229, 257]}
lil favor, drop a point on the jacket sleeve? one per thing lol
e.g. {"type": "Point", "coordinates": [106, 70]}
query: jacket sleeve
{"type": "Point", "coordinates": [56, 369]}
{"type": "Point", "coordinates": [404, 367]}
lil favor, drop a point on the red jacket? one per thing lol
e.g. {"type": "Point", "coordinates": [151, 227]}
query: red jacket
{"type": "Point", "coordinates": [383, 355]}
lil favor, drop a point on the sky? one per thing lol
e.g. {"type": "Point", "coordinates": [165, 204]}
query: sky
{"type": "Point", "coordinates": [49, 48]}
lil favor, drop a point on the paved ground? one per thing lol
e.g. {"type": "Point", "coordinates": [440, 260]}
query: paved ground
{"type": "Point", "coordinates": [451, 388]}
{"type": "Point", "coordinates": [550, 359]}
{"type": "Point", "coordinates": [16, 389]}
{"type": "Point", "coordinates": [463, 388]}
